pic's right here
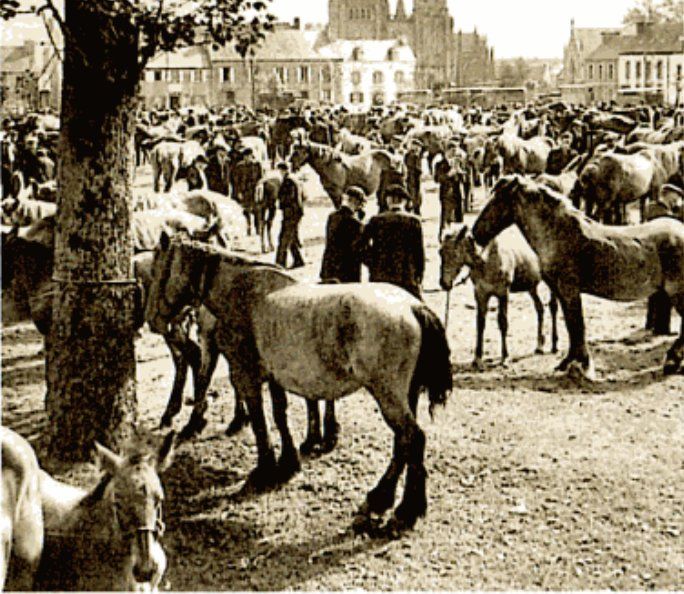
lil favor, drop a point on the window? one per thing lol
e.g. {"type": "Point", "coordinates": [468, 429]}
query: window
{"type": "Point", "coordinates": [304, 74]}
{"type": "Point", "coordinates": [174, 75]}
{"type": "Point", "coordinates": [591, 71]}
{"type": "Point", "coordinates": [356, 77]}
{"type": "Point", "coordinates": [378, 77]}
{"type": "Point", "coordinates": [357, 54]}
{"type": "Point", "coordinates": [281, 73]}
{"type": "Point", "coordinates": [600, 71]}
{"type": "Point", "coordinates": [647, 72]}
{"type": "Point", "coordinates": [611, 72]}
{"type": "Point", "coordinates": [659, 70]}
{"type": "Point", "coordinates": [679, 73]}
{"type": "Point", "coordinates": [326, 95]}
{"type": "Point", "coordinates": [399, 77]}
{"type": "Point", "coordinates": [326, 76]}
{"type": "Point", "coordinates": [637, 70]}
{"type": "Point", "coordinates": [628, 70]}
{"type": "Point", "coordinates": [356, 97]}
{"type": "Point", "coordinates": [205, 75]}
{"type": "Point", "coordinates": [227, 74]}
{"type": "Point", "coordinates": [378, 99]}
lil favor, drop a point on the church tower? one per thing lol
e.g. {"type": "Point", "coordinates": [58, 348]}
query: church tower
{"type": "Point", "coordinates": [432, 42]}
{"type": "Point", "coordinates": [358, 19]}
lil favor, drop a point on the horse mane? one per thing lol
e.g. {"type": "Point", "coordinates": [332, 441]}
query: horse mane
{"type": "Point", "coordinates": [227, 256]}
{"type": "Point", "coordinates": [553, 201]}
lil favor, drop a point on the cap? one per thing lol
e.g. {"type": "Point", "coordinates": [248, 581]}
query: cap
{"type": "Point", "coordinates": [398, 191]}
{"type": "Point", "coordinates": [356, 193]}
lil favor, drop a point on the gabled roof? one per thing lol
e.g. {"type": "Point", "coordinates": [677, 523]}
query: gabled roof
{"type": "Point", "coordinates": [369, 50]}
{"type": "Point", "coordinates": [284, 43]}
{"type": "Point", "coordinates": [610, 48]}
{"type": "Point", "coordinates": [590, 38]}
{"type": "Point", "coordinates": [657, 39]}
{"type": "Point", "coordinates": [189, 57]}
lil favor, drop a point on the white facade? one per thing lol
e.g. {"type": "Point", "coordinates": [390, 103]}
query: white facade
{"type": "Point", "coordinates": [638, 73]}
{"type": "Point", "coordinates": [372, 72]}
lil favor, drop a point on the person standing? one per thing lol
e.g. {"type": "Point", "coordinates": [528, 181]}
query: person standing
{"type": "Point", "coordinates": [414, 169]}
{"type": "Point", "coordinates": [291, 205]}
{"type": "Point", "coordinates": [341, 263]}
{"type": "Point", "coordinates": [391, 245]}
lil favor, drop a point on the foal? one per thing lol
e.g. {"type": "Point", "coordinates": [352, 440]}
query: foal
{"type": "Point", "coordinates": [506, 265]}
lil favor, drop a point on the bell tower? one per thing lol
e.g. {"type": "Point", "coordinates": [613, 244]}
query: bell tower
{"type": "Point", "coordinates": [358, 19]}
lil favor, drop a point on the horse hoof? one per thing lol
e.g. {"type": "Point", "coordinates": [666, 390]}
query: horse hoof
{"type": "Point", "coordinates": [577, 371]}
{"type": "Point", "coordinates": [287, 467]}
{"type": "Point", "coordinates": [166, 422]}
{"type": "Point", "coordinates": [194, 427]}
{"type": "Point", "coordinates": [328, 444]}
{"type": "Point", "coordinates": [309, 446]}
{"type": "Point", "coordinates": [671, 367]}
{"type": "Point", "coordinates": [539, 351]}
{"type": "Point", "coordinates": [563, 365]}
{"type": "Point", "coordinates": [261, 479]}
{"type": "Point", "coordinates": [236, 425]}
{"type": "Point", "coordinates": [478, 365]}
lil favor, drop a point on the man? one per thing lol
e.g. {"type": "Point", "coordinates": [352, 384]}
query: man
{"type": "Point", "coordinates": [290, 200]}
{"type": "Point", "coordinates": [413, 160]}
{"type": "Point", "coordinates": [341, 263]}
{"type": "Point", "coordinates": [391, 245]}
{"type": "Point", "coordinates": [560, 157]}
{"type": "Point", "coordinates": [450, 174]}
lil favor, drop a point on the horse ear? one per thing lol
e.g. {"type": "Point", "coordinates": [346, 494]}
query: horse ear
{"type": "Point", "coordinates": [167, 451]}
{"type": "Point", "coordinates": [164, 240]}
{"type": "Point", "coordinates": [110, 461]}
{"type": "Point", "coordinates": [462, 233]}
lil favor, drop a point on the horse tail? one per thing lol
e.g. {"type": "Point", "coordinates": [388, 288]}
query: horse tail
{"type": "Point", "coordinates": [433, 367]}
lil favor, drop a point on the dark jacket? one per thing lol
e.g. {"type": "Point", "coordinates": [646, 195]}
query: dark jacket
{"type": "Point", "coordinates": [290, 199]}
{"type": "Point", "coordinates": [340, 260]}
{"type": "Point", "coordinates": [392, 248]}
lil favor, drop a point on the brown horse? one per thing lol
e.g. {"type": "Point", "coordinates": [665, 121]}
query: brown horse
{"type": "Point", "coordinates": [578, 255]}
{"type": "Point", "coordinates": [507, 265]}
{"type": "Point", "coordinates": [339, 171]}
{"type": "Point", "coordinates": [55, 536]}
{"type": "Point", "coordinates": [317, 341]}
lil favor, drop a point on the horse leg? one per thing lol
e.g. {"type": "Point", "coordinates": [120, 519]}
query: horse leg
{"type": "Point", "coordinates": [332, 428]}
{"type": "Point", "coordinates": [288, 465]}
{"type": "Point", "coordinates": [482, 302]}
{"type": "Point", "coordinates": [553, 308]}
{"type": "Point", "coordinates": [248, 388]}
{"type": "Point", "coordinates": [574, 320]}
{"type": "Point", "coordinates": [503, 327]}
{"type": "Point", "coordinates": [179, 378]}
{"type": "Point", "coordinates": [675, 354]}
{"type": "Point", "coordinates": [313, 435]}
{"type": "Point", "coordinates": [539, 307]}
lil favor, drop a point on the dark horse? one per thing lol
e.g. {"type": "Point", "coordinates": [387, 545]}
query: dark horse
{"type": "Point", "coordinates": [317, 341]}
{"type": "Point", "coordinates": [578, 255]}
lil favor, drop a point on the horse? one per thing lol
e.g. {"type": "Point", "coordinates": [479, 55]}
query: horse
{"type": "Point", "coordinates": [339, 172]}
{"type": "Point", "coordinates": [520, 156]}
{"type": "Point", "coordinates": [56, 536]}
{"type": "Point", "coordinates": [506, 265]}
{"type": "Point", "coordinates": [320, 342]}
{"type": "Point", "coordinates": [578, 255]}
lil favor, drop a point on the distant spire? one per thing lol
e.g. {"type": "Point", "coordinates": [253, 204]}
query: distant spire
{"type": "Point", "coordinates": [400, 13]}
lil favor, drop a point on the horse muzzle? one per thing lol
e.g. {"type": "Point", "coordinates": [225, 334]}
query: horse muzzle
{"type": "Point", "coordinates": [148, 562]}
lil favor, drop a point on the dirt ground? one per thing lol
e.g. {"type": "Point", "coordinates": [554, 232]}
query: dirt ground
{"type": "Point", "coordinates": [535, 481]}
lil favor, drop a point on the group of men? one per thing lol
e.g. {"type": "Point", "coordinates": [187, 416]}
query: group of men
{"type": "Point", "coordinates": [390, 244]}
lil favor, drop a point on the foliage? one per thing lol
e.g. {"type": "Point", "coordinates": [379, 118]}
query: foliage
{"type": "Point", "coordinates": [663, 11]}
{"type": "Point", "coordinates": [514, 74]}
{"type": "Point", "coordinates": [168, 25]}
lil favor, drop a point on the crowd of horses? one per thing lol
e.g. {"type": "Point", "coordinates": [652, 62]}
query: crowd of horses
{"type": "Point", "coordinates": [212, 168]}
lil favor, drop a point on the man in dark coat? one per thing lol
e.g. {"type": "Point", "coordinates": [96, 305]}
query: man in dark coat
{"type": "Point", "coordinates": [560, 157]}
{"type": "Point", "coordinates": [450, 174]}
{"type": "Point", "coordinates": [414, 169]}
{"type": "Point", "coordinates": [341, 263]}
{"type": "Point", "coordinates": [290, 200]}
{"type": "Point", "coordinates": [391, 245]}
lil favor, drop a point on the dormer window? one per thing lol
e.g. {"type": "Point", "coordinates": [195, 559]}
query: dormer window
{"type": "Point", "coordinates": [357, 54]}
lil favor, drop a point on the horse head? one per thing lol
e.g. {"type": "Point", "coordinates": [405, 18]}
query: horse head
{"type": "Point", "coordinates": [455, 252]}
{"type": "Point", "coordinates": [498, 213]}
{"type": "Point", "coordinates": [132, 487]}
{"type": "Point", "coordinates": [300, 154]}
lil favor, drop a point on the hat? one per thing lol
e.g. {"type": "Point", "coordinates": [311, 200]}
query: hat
{"type": "Point", "coordinates": [415, 141]}
{"type": "Point", "coordinates": [397, 191]}
{"type": "Point", "coordinates": [283, 166]}
{"type": "Point", "coordinates": [356, 193]}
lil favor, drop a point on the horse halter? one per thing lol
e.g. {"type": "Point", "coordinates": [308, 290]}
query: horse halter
{"type": "Point", "coordinates": [157, 528]}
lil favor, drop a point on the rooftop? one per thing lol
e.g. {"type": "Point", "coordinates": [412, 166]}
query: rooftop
{"type": "Point", "coordinates": [368, 50]}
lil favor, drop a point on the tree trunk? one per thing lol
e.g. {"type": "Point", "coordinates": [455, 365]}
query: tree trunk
{"type": "Point", "coordinates": [90, 351]}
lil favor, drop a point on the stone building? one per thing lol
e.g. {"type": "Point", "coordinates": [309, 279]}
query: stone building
{"type": "Point", "coordinates": [371, 72]}
{"type": "Point", "coordinates": [442, 56]}
{"type": "Point", "coordinates": [284, 68]}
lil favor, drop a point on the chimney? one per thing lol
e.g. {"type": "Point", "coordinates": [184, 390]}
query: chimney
{"type": "Point", "coordinates": [297, 24]}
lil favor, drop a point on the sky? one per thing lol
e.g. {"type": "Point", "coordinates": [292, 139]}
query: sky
{"type": "Point", "coordinates": [528, 28]}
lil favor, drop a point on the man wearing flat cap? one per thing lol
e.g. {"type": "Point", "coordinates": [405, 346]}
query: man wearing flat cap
{"type": "Point", "coordinates": [341, 262]}
{"type": "Point", "coordinates": [292, 207]}
{"type": "Point", "coordinates": [391, 245]}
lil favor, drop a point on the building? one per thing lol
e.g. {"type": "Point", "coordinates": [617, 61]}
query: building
{"type": "Point", "coordinates": [650, 65]}
{"type": "Point", "coordinates": [602, 67]}
{"type": "Point", "coordinates": [284, 67]}
{"type": "Point", "coordinates": [30, 78]}
{"type": "Point", "coordinates": [372, 72]}
{"type": "Point", "coordinates": [572, 81]}
{"type": "Point", "coordinates": [442, 56]}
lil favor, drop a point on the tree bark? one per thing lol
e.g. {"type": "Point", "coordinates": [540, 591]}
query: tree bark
{"type": "Point", "coordinates": [90, 351]}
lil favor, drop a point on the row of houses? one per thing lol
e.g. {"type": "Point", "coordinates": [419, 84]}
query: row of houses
{"type": "Point", "coordinates": [290, 65]}
{"type": "Point", "coordinates": [640, 62]}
